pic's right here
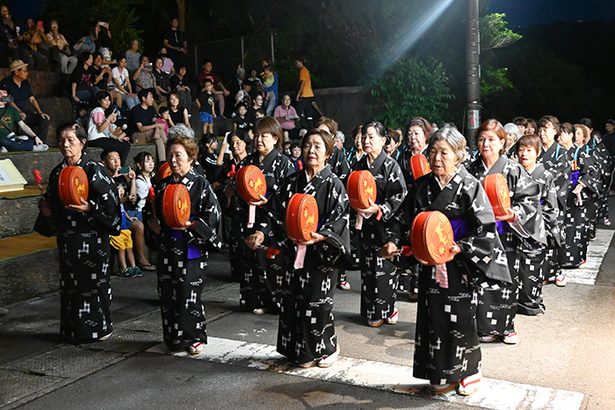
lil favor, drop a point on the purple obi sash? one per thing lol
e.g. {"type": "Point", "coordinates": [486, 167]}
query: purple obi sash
{"type": "Point", "coordinates": [502, 227]}
{"type": "Point", "coordinates": [193, 251]}
{"type": "Point", "coordinates": [460, 228]}
{"type": "Point", "coordinates": [574, 178]}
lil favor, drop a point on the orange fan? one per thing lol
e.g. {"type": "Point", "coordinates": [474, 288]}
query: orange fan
{"type": "Point", "coordinates": [73, 185]}
{"type": "Point", "coordinates": [251, 183]}
{"type": "Point", "coordinates": [432, 238]}
{"type": "Point", "coordinates": [176, 205]}
{"type": "Point", "coordinates": [361, 187]}
{"type": "Point", "coordinates": [497, 191]}
{"type": "Point", "coordinates": [163, 172]}
{"type": "Point", "coordinates": [301, 217]}
{"type": "Point", "coordinates": [419, 166]}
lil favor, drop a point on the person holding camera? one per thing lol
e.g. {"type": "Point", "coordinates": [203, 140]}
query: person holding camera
{"type": "Point", "coordinates": [102, 131]}
{"type": "Point", "coordinates": [133, 223]}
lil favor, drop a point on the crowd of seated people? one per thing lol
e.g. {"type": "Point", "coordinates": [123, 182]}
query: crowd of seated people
{"type": "Point", "coordinates": [133, 97]}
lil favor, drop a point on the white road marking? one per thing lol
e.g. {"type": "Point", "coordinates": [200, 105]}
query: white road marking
{"type": "Point", "coordinates": [493, 394]}
{"type": "Point", "coordinates": [595, 255]}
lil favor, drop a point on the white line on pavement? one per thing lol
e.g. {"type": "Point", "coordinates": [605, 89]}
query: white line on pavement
{"type": "Point", "coordinates": [493, 394]}
{"type": "Point", "coordinates": [595, 255]}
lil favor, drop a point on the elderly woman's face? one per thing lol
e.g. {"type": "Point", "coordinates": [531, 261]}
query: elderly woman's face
{"type": "Point", "coordinates": [579, 137]}
{"type": "Point", "coordinates": [417, 137]}
{"type": "Point", "coordinates": [238, 146]}
{"type": "Point", "coordinates": [511, 138]}
{"type": "Point", "coordinates": [372, 141]}
{"type": "Point", "coordinates": [357, 141]}
{"type": "Point", "coordinates": [527, 157]}
{"type": "Point", "coordinates": [489, 144]}
{"type": "Point", "coordinates": [443, 159]}
{"type": "Point", "coordinates": [265, 143]}
{"type": "Point", "coordinates": [179, 160]}
{"type": "Point", "coordinates": [547, 133]}
{"type": "Point", "coordinates": [314, 152]}
{"type": "Point", "coordinates": [339, 143]}
{"type": "Point", "coordinates": [565, 138]}
{"type": "Point", "coordinates": [71, 147]}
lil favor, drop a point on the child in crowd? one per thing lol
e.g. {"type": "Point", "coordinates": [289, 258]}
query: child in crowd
{"type": "Point", "coordinates": [205, 103]}
{"type": "Point", "coordinates": [243, 95]}
{"type": "Point", "coordinates": [295, 156]}
{"type": "Point", "coordinates": [123, 242]}
{"type": "Point", "coordinates": [268, 79]}
{"type": "Point", "coordinates": [240, 122]}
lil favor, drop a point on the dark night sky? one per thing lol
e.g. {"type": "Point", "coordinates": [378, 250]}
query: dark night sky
{"type": "Point", "coordinates": [523, 13]}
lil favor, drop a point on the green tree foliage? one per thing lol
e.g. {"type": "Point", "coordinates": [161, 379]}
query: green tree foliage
{"type": "Point", "coordinates": [410, 88]}
{"type": "Point", "coordinates": [76, 19]}
{"type": "Point", "coordinates": [495, 33]}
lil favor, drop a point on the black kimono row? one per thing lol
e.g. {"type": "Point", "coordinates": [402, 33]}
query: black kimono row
{"type": "Point", "coordinates": [183, 260]}
{"type": "Point", "coordinates": [497, 306]}
{"type": "Point", "coordinates": [262, 271]}
{"type": "Point", "coordinates": [446, 339]}
{"type": "Point", "coordinates": [555, 160]}
{"type": "Point", "coordinates": [380, 276]}
{"type": "Point", "coordinates": [306, 331]}
{"type": "Point", "coordinates": [83, 247]}
{"type": "Point", "coordinates": [580, 212]}
{"type": "Point", "coordinates": [533, 264]}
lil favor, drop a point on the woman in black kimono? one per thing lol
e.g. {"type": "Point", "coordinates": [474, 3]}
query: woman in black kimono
{"type": "Point", "coordinates": [583, 188]}
{"type": "Point", "coordinates": [532, 265]}
{"type": "Point", "coordinates": [554, 158]}
{"type": "Point", "coordinates": [183, 251]}
{"type": "Point", "coordinates": [83, 242]}
{"type": "Point", "coordinates": [233, 218]}
{"type": "Point", "coordinates": [447, 350]}
{"type": "Point", "coordinates": [306, 333]}
{"type": "Point", "coordinates": [497, 306]}
{"type": "Point", "coordinates": [337, 160]}
{"type": "Point", "coordinates": [352, 258]}
{"type": "Point", "coordinates": [262, 270]}
{"type": "Point", "coordinates": [378, 239]}
{"type": "Point", "coordinates": [418, 132]}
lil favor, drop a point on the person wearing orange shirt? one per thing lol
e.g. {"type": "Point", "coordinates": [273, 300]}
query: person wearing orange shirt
{"type": "Point", "coordinates": [305, 95]}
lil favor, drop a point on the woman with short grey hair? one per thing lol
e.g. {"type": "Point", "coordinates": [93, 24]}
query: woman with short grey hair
{"type": "Point", "coordinates": [447, 350]}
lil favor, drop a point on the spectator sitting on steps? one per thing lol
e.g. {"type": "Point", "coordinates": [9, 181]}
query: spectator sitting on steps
{"type": "Point", "coordinates": [18, 87]}
{"type": "Point", "coordinates": [143, 123]}
{"type": "Point", "coordinates": [35, 42]}
{"type": "Point", "coordinates": [9, 119]}
{"type": "Point", "coordinates": [60, 50]}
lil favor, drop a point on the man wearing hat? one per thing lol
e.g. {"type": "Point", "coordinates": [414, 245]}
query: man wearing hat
{"type": "Point", "coordinates": [18, 87]}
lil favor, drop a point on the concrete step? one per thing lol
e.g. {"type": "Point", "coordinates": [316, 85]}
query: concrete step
{"type": "Point", "coordinates": [25, 162]}
{"type": "Point", "coordinates": [28, 267]}
{"type": "Point", "coordinates": [18, 211]}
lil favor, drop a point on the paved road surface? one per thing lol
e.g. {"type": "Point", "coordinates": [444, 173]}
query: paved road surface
{"type": "Point", "coordinates": [565, 359]}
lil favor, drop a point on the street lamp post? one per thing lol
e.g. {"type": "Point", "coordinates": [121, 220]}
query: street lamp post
{"type": "Point", "coordinates": [473, 72]}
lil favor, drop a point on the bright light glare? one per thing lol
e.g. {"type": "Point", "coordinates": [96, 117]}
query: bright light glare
{"type": "Point", "coordinates": [419, 27]}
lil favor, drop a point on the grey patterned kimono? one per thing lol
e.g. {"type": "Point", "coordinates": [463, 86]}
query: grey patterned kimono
{"type": "Point", "coordinates": [446, 339]}
{"type": "Point", "coordinates": [579, 217]}
{"type": "Point", "coordinates": [83, 247]}
{"type": "Point", "coordinates": [261, 271]}
{"type": "Point", "coordinates": [182, 262]}
{"type": "Point", "coordinates": [380, 276]}
{"type": "Point", "coordinates": [555, 159]}
{"type": "Point", "coordinates": [532, 264]}
{"type": "Point", "coordinates": [497, 307]}
{"type": "Point", "coordinates": [306, 331]}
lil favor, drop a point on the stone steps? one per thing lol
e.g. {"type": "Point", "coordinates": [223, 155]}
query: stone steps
{"type": "Point", "coordinates": [28, 267]}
